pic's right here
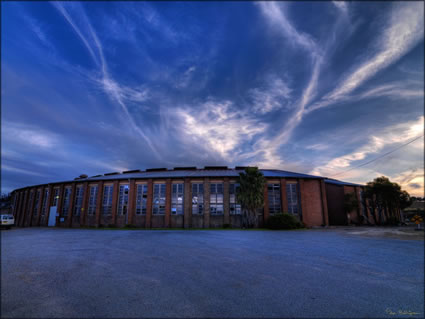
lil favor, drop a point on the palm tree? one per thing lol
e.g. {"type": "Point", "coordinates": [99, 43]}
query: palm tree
{"type": "Point", "coordinates": [250, 194]}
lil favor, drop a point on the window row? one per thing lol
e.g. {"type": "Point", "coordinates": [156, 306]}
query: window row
{"type": "Point", "coordinates": [159, 199]}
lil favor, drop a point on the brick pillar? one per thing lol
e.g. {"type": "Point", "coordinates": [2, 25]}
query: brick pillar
{"type": "Point", "coordinates": [187, 203]}
{"type": "Point", "coordinates": [357, 191]}
{"type": "Point", "coordinates": [283, 198]}
{"type": "Point", "coordinates": [99, 202]}
{"type": "Point", "coordinates": [60, 202]}
{"type": "Point", "coordinates": [266, 203]}
{"type": "Point", "coordinates": [226, 201]}
{"type": "Point", "coordinates": [19, 208]}
{"type": "Point", "coordinates": [131, 201]}
{"type": "Point", "coordinates": [40, 205]}
{"type": "Point", "coordinates": [167, 203]}
{"type": "Point", "coordinates": [324, 203]}
{"type": "Point", "coordinates": [84, 204]}
{"type": "Point", "coordinates": [206, 202]}
{"type": "Point", "coordinates": [48, 203]}
{"type": "Point", "coordinates": [302, 200]}
{"type": "Point", "coordinates": [71, 205]}
{"type": "Point", "coordinates": [31, 208]}
{"type": "Point", "coordinates": [148, 220]}
{"type": "Point", "coordinates": [15, 204]}
{"type": "Point", "coordinates": [25, 207]}
{"type": "Point", "coordinates": [115, 202]}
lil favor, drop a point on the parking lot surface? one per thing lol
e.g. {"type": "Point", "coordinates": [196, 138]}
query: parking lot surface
{"type": "Point", "coordinates": [73, 273]}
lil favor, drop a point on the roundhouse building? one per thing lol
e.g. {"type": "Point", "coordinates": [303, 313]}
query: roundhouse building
{"type": "Point", "coordinates": [161, 198]}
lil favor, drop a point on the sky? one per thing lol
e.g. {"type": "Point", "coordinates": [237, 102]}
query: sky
{"type": "Point", "coordinates": [317, 88]}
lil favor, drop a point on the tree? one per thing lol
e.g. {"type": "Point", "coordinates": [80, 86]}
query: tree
{"type": "Point", "coordinates": [387, 198]}
{"type": "Point", "coordinates": [350, 203]}
{"type": "Point", "coordinates": [250, 194]}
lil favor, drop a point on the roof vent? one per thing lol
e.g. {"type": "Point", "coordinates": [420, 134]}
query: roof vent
{"type": "Point", "coordinates": [189, 168]}
{"type": "Point", "coordinates": [114, 173]}
{"type": "Point", "coordinates": [155, 169]}
{"type": "Point", "coordinates": [215, 167]}
{"type": "Point", "coordinates": [96, 176]}
{"type": "Point", "coordinates": [132, 171]}
{"type": "Point", "coordinates": [83, 176]}
{"type": "Point", "coordinates": [243, 167]}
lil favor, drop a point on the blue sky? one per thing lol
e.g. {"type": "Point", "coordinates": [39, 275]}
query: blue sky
{"type": "Point", "coordinates": [315, 88]}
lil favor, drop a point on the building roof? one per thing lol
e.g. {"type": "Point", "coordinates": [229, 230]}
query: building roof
{"type": "Point", "coordinates": [193, 172]}
{"type": "Point", "coordinates": [337, 182]}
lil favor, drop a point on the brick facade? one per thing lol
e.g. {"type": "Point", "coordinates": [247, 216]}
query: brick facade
{"type": "Point", "coordinates": [317, 204]}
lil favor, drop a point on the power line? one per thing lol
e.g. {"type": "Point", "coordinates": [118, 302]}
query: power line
{"type": "Point", "coordinates": [396, 149]}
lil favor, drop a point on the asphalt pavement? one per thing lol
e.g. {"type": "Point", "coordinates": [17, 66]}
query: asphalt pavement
{"type": "Point", "coordinates": [70, 273]}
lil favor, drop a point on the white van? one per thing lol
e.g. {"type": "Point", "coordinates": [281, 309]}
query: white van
{"type": "Point", "coordinates": [7, 221]}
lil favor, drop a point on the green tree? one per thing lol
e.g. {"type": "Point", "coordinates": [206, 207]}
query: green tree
{"type": "Point", "coordinates": [350, 203]}
{"type": "Point", "coordinates": [250, 194]}
{"type": "Point", "coordinates": [387, 198]}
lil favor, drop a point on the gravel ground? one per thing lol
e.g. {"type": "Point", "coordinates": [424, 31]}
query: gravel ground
{"type": "Point", "coordinates": [51, 273]}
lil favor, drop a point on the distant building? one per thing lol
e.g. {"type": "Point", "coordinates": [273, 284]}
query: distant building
{"type": "Point", "coordinates": [181, 197]}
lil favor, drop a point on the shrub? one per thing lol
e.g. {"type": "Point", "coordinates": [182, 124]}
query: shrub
{"type": "Point", "coordinates": [227, 226]}
{"type": "Point", "coordinates": [283, 221]}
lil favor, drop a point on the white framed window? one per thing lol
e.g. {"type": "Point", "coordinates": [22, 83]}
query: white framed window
{"type": "Point", "coordinates": [55, 197]}
{"type": "Point", "coordinates": [37, 199]}
{"type": "Point", "coordinates": [78, 202]}
{"type": "Point", "coordinates": [158, 207]}
{"type": "Point", "coordinates": [123, 200]}
{"type": "Point", "coordinates": [44, 205]}
{"type": "Point", "coordinates": [216, 199]}
{"type": "Point", "coordinates": [66, 199]}
{"type": "Point", "coordinates": [107, 199]}
{"type": "Point", "coordinates": [197, 198]}
{"type": "Point", "coordinates": [177, 198]}
{"type": "Point", "coordinates": [141, 199]}
{"type": "Point", "coordinates": [292, 192]}
{"type": "Point", "coordinates": [92, 200]}
{"type": "Point", "coordinates": [273, 195]}
{"type": "Point", "coordinates": [235, 208]}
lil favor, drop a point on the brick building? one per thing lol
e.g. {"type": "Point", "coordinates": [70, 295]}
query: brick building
{"type": "Point", "coordinates": [159, 198]}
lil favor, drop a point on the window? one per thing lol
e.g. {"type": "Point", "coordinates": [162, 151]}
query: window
{"type": "Point", "coordinates": [235, 208]}
{"type": "Point", "coordinates": [37, 199]}
{"type": "Point", "coordinates": [55, 196]}
{"type": "Point", "coordinates": [92, 200]}
{"type": "Point", "coordinates": [198, 198]}
{"type": "Point", "coordinates": [177, 198]}
{"type": "Point", "coordinates": [141, 199]}
{"type": "Point", "coordinates": [292, 198]}
{"type": "Point", "coordinates": [66, 197]}
{"type": "Point", "coordinates": [44, 205]}
{"type": "Point", "coordinates": [158, 207]}
{"type": "Point", "coordinates": [216, 198]}
{"type": "Point", "coordinates": [273, 195]}
{"type": "Point", "coordinates": [79, 193]}
{"type": "Point", "coordinates": [123, 200]}
{"type": "Point", "coordinates": [107, 199]}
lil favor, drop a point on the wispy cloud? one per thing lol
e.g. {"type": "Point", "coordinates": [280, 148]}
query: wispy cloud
{"type": "Point", "coordinates": [404, 31]}
{"type": "Point", "coordinates": [28, 136]}
{"type": "Point", "coordinates": [276, 13]}
{"type": "Point", "coordinates": [391, 135]}
{"type": "Point", "coordinates": [216, 125]}
{"type": "Point", "coordinates": [412, 181]}
{"type": "Point", "coordinates": [342, 6]}
{"type": "Point", "coordinates": [273, 95]}
{"type": "Point", "coordinates": [111, 87]}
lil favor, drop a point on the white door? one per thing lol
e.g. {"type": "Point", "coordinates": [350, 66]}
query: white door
{"type": "Point", "coordinates": [52, 216]}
